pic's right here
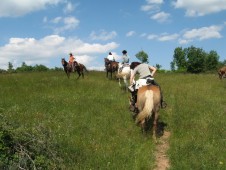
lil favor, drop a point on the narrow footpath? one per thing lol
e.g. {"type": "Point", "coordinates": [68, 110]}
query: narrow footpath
{"type": "Point", "coordinates": [162, 160]}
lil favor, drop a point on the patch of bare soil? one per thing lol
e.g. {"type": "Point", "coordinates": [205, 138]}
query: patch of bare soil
{"type": "Point", "coordinates": [162, 160]}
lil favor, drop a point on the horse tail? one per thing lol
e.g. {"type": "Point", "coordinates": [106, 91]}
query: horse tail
{"type": "Point", "coordinates": [84, 68]}
{"type": "Point", "coordinates": [147, 108]}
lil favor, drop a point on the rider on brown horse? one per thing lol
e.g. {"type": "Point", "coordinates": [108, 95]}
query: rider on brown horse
{"type": "Point", "coordinates": [110, 58]}
{"type": "Point", "coordinates": [72, 62]}
{"type": "Point", "coordinates": [146, 74]}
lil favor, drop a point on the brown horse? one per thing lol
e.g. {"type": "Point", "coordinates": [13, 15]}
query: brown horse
{"type": "Point", "coordinates": [148, 104]}
{"type": "Point", "coordinates": [222, 72]}
{"type": "Point", "coordinates": [79, 68]}
{"type": "Point", "coordinates": [110, 66]}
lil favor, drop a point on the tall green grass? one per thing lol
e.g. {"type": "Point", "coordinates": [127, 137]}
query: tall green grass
{"type": "Point", "coordinates": [196, 117]}
{"type": "Point", "coordinates": [90, 120]}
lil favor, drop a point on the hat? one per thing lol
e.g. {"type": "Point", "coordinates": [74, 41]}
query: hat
{"type": "Point", "coordinates": [70, 53]}
{"type": "Point", "coordinates": [124, 52]}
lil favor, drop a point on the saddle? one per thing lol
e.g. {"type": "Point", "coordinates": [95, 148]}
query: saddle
{"type": "Point", "coordinates": [150, 81]}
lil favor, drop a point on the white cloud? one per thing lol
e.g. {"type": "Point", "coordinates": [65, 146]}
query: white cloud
{"type": "Point", "coordinates": [152, 36]}
{"type": "Point", "coordinates": [130, 33]}
{"type": "Point", "coordinates": [203, 33]}
{"type": "Point", "coordinates": [69, 7]}
{"type": "Point", "coordinates": [168, 37]}
{"type": "Point", "coordinates": [183, 41]}
{"type": "Point", "coordinates": [161, 16]}
{"type": "Point", "coordinates": [154, 1]}
{"type": "Point", "coordinates": [163, 37]}
{"type": "Point", "coordinates": [147, 7]}
{"type": "Point", "coordinates": [103, 35]}
{"type": "Point", "coordinates": [56, 20]}
{"type": "Point", "coordinates": [152, 5]}
{"type": "Point", "coordinates": [14, 8]}
{"type": "Point", "coordinates": [33, 51]}
{"type": "Point", "coordinates": [68, 23]}
{"type": "Point", "coordinates": [200, 8]}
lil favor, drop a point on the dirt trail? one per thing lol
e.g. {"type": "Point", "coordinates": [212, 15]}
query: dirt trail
{"type": "Point", "coordinates": [162, 160]}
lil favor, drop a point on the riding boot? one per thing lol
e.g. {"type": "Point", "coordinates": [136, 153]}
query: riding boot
{"type": "Point", "coordinates": [133, 102]}
{"type": "Point", "coordinates": [134, 98]}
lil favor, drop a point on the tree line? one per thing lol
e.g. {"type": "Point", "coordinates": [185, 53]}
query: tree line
{"type": "Point", "coordinates": [187, 60]}
{"type": "Point", "coordinates": [27, 68]}
{"type": "Point", "coordinates": [195, 60]}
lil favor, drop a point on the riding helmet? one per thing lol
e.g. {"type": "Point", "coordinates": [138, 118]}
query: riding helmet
{"type": "Point", "coordinates": [124, 52]}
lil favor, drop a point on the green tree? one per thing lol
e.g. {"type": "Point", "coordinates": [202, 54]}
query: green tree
{"type": "Point", "coordinates": [40, 68]}
{"type": "Point", "coordinates": [142, 56]}
{"type": "Point", "coordinates": [172, 66]}
{"type": "Point", "coordinates": [179, 59]}
{"type": "Point", "coordinates": [24, 68]}
{"type": "Point", "coordinates": [10, 67]}
{"type": "Point", "coordinates": [158, 66]}
{"type": "Point", "coordinates": [196, 60]}
{"type": "Point", "coordinates": [212, 60]}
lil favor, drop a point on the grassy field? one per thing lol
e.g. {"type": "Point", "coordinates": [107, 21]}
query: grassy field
{"type": "Point", "coordinates": [90, 121]}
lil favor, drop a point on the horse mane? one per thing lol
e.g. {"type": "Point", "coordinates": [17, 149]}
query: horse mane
{"type": "Point", "coordinates": [134, 64]}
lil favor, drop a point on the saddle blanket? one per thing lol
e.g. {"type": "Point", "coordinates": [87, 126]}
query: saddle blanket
{"type": "Point", "coordinates": [142, 82]}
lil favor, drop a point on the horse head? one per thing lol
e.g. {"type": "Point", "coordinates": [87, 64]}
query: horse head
{"type": "Point", "coordinates": [106, 60]}
{"type": "Point", "coordinates": [64, 62]}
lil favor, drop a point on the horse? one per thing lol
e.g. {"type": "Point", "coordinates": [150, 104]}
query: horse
{"type": "Point", "coordinates": [79, 68]}
{"type": "Point", "coordinates": [222, 72]}
{"type": "Point", "coordinates": [124, 74]}
{"type": "Point", "coordinates": [110, 66]}
{"type": "Point", "coordinates": [148, 106]}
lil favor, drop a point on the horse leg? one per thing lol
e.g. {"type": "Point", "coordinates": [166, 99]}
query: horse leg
{"type": "Point", "coordinates": [155, 126]}
{"type": "Point", "coordinates": [111, 74]}
{"type": "Point", "coordinates": [82, 75]}
{"type": "Point", "coordinates": [125, 82]}
{"type": "Point", "coordinates": [119, 81]}
{"type": "Point", "coordinates": [79, 74]}
{"type": "Point", "coordinates": [68, 74]}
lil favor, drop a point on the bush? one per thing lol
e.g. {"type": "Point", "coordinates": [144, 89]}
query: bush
{"type": "Point", "coordinates": [23, 149]}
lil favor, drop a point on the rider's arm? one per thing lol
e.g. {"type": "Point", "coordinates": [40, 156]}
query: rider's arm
{"type": "Point", "coordinates": [132, 77]}
{"type": "Point", "coordinates": [153, 69]}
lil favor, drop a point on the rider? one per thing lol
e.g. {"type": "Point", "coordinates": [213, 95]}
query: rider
{"type": "Point", "coordinates": [111, 58]}
{"type": "Point", "coordinates": [145, 75]}
{"type": "Point", "coordinates": [125, 60]}
{"type": "Point", "coordinates": [72, 61]}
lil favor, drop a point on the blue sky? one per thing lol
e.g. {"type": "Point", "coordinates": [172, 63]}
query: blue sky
{"type": "Point", "coordinates": [44, 31]}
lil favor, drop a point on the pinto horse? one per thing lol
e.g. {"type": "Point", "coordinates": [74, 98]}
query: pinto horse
{"type": "Point", "coordinates": [79, 68]}
{"type": "Point", "coordinates": [148, 105]}
{"type": "Point", "coordinates": [110, 67]}
{"type": "Point", "coordinates": [124, 74]}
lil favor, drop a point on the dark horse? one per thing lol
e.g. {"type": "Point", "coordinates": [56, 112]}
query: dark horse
{"type": "Point", "coordinates": [110, 66]}
{"type": "Point", "coordinates": [79, 68]}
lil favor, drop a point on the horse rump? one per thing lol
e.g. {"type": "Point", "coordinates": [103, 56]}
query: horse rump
{"type": "Point", "coordinates": [148, 103]}
{"type": "Point", "coordinates": [222, 72]}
